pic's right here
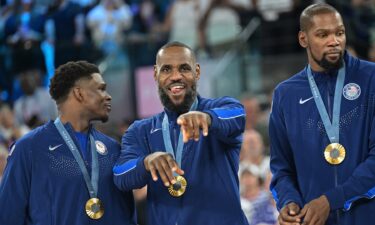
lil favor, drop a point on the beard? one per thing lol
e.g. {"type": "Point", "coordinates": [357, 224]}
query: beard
{"type": "Point", "coordinates": [183, 107]}
{"type": "Point", "coordinates": [327, 65]}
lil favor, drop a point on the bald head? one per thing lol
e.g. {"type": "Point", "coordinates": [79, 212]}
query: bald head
{"type": "Point", "coordinates": [308, 13]}
{"type": "Point", "coordinates": [175, 44]}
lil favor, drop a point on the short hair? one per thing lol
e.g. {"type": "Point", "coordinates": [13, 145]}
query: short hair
{"type": "Point", "coordinates": [176, 44]}
{"type": "Point", "coordinates": [305, 20]}
{"type": "Point", "coordinates": [67, 75]}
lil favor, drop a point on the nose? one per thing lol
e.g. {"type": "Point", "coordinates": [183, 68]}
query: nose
{"type": "Point", "coordinates": [176, 75]}
{"type": "Point", "coordinates": [108, 97]}
{"type": "Point", "coordinates": [334, 40]}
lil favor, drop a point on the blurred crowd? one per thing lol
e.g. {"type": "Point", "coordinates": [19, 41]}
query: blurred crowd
{"type": "Point", "coordinates": [36, 36]}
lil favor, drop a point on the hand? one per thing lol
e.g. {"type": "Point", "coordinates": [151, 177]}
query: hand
{"type": "Point", "coordinates": [192, 123]}
{"type": "Point", "coordinates": [290, 214]}
{"type": "Point", "coordinates": [164, 164]}
{"type": "Point", "coordinates": [316, 211]}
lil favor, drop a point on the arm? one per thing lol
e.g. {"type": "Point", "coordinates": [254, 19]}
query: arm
{"type": "Point", "coordinates": [284, 182]}
{"type": "Point", "coordinates": [129, 171]}
{"type": "Point", "coordinates": [137, 165]}
{"type": "Point", "coordinates": [225, 119]}
{"type": "Point", "coordinates": [15, 187]}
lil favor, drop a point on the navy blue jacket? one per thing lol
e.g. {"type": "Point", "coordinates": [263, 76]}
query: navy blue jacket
{"type": "Point", "coordinates": [298, 139]}
{"type": "Point", "coordinates": [43, 184]}
{"type": "Point", "coordinates": [210, 165]}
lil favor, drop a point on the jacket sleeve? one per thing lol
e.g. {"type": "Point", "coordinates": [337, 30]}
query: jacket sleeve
{"type": "Point", "coordinates": [129, 171]}
{"type": "Point", "coordinates": [15, 186]}
{"type": "Point", "coordinates": [227, 120]}
{"type": "Point", "coordinates": [283, 186]}
{"type": "Point", "coordinates": [361, 184]}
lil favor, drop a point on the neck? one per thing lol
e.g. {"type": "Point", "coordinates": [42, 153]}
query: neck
{"type": "Point", "coordinates": [78, 121]}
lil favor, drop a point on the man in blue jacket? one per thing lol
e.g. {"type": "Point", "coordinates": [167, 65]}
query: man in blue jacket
{"type": "Point", "coordinates": [61, 172]}
{"type": "Point", "coordinates": [188, 154]}
{"type": "Point", "coordinates": [322, 130]}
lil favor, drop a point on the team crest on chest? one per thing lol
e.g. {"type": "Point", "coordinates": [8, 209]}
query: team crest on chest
{"type": "Point", "coordinates": [101, 148]}
{"type": "Point", "coordinates": [351, 91]}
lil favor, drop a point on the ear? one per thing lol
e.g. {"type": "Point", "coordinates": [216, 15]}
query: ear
{"type": "Point", "coordinates": [77, 93]}
{"type": "Point", "coordinates": [155, 73]}
{"type": "Point", "coordinates": [198, 71]}
{"type": "Point", "coordinates": [302, 39]}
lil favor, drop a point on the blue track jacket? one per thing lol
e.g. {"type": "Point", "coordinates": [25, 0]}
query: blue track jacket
{"type": "Point", "coordinates": [298, 139]}
{"type": "Point", "coordinates": [210, 165]}
{"type": "Point", "coordinates": [43, 184]}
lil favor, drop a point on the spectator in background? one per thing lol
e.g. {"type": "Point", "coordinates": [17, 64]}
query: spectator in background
{"type": "Point", "coordinates": [179, 27]}
{"type": "Point", "coordinates": [219, 25]}
{"type": "Point", "coordinates": [253, 153]}
{"type": "Point", "coordinates": [108, 22]}
{"type": "Point", "coordinates": [256, 118]}
{"type": "Point", "coordinates": [66, 31]}
{"type": "Point", "coordinates": [10, 131]}
{"type": "Point", "coordinates": [23, 33]}
{"type": "Point", "coordinates": [256, 202]}
{"type": "Point", "coordinates": [35, 106]}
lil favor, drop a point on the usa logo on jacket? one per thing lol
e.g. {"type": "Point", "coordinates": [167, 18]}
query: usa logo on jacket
{"type": "Point", "coordinates": [351, 91]}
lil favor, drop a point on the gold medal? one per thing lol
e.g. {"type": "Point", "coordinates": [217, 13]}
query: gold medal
{"type": "Point", "coordinates": [334, 153]}
{"type": "Point", "coordinates": [94, 208]}
{"type": "Point", "coordinates": [177, 189]}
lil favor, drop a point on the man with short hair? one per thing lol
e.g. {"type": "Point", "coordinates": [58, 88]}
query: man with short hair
{"type": "Point", "coordinates": [188, 154]}
{"type": "Point", "coordinates": [322, 130]}
{"type": "Point", "coordinates": [61, 172]}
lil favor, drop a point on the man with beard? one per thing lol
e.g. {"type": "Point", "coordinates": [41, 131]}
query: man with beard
{"type": "Point", "coordinates": [322, 130]}
{"type": "Point", "coordinates": [61, 172]}
{"type": "Point", "coordinates": [188, 154]}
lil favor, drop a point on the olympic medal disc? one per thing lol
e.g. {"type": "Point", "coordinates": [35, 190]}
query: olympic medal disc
{"type": "Point", "coordinates": [334, 153]}
{"type": "Point", "coordinates": [177, 189]}
{"type": "Point", "coordinates": [94, 208]}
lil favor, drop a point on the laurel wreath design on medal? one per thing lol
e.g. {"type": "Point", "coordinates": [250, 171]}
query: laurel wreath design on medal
{"type": "Point", "coordinates": [334, 153]}
{"type": "Point", "coordinates": [178, 189]}
{"type": "Point", "coordinates": [94, 208]}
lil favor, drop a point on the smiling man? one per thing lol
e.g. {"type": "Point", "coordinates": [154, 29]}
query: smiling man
{"type": "Point", "coordinates": [61, 172]}
{"type": "Point", "coordinates": [322, 130]}
{"type": "Point", "coordinates": [188, 154]}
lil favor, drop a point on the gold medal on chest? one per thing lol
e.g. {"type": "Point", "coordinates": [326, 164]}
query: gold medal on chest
{"type": "Point", "coordinates": [94, 208]}
{"type": "Point", "coordinates": [334, 153]}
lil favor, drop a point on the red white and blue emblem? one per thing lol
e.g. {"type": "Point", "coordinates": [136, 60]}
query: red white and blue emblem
{"type": "Point", "coordinates": [351, 91]}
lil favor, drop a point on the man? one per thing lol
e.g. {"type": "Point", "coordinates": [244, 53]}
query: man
{"type": "Point", "coordinates": [61, 172]}
{"type": "Point", "coordinates": [322, 130]}
{"type": "Point", "coordinates": [191, 174]}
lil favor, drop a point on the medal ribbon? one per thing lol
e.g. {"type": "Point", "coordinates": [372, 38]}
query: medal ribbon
{"type": "Point", "coordinates": [92, 185]}
{"type": "Point", "coordinates": [167, 137]}
{"type": "Point", "coordinates": [333, 128]}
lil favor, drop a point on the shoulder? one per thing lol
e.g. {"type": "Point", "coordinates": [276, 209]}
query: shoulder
{"type": "Point", "coordinates": [289, 86]}
{"type": "Point", "coordinates": [146, 124]}
{"type": "Point", "coordinates": [209, 103]}
{"type": "Point", "coordinates": [26, 144]}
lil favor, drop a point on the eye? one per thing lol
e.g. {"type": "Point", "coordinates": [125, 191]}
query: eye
{"type": "Point", "coordinates": [340, 33]}
{"type": "Point", "coordinates": [185, 68]}
{"type": "Point", "coordinates": [322, 35]}
{"type": "Point", "coordinates": [165, 69]}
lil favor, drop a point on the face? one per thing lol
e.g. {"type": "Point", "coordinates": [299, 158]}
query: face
{"type": "Point", "coordinates": [324, 41]}
{"type": "Point", "coordinates": [94, 97]}
{"type": "Point", "coordinates": [176, 74]}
